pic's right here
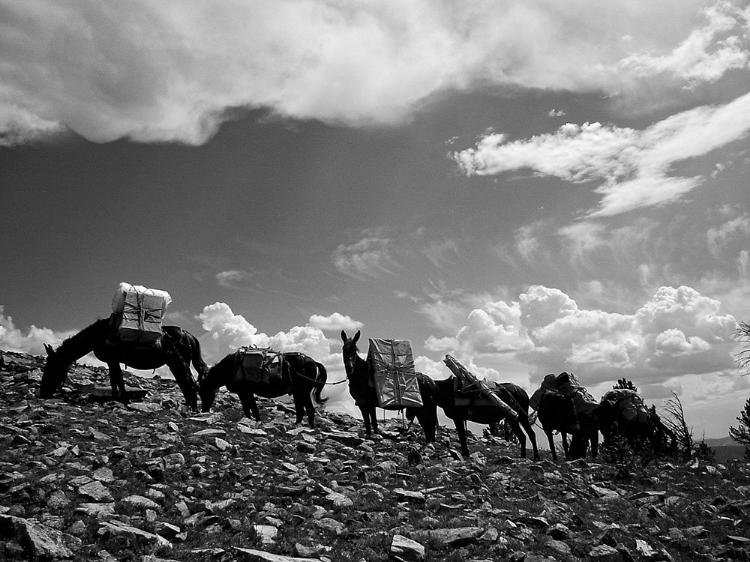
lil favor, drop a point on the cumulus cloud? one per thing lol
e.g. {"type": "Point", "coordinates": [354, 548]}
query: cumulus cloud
{"type": "Point", "coordinates": [27, 341]}
{"type": "Point", "coordinates": [174, 71]}
{"type": "Point", "coordinates": [677, 332]}
{"type": "Point", "coordinates": [633, 168]}
{"type": "Point", "coordinates": [334, 322]}
{"type": "Point", "coordinates": [228, 331]}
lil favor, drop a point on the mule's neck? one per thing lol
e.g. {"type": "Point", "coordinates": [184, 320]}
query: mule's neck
{"type": "Point", "coordinates": [356, 365]}
{"type": "Point", "coordinates": [218, 375]}
{"type": "Point", "coordinates": [85, 341]}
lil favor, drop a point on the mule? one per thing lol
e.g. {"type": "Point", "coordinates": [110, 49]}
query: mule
{"type": "Point", "coordinates": [177, 349]}
{"type": "Point", "coordinates": [518, 399]}
{"type": "Point", "coordinates": [585, 408]}
{"type": "Point", "coordinates": [557, 412]}
{"type": "Point", "coordinates": [301, 376]}
{"type": "Point", "coordinates": [485, 414]}
{"type": "Point", "coordinates": [359, 373]}
{"type": "Point", "coordinates": [622, 412]}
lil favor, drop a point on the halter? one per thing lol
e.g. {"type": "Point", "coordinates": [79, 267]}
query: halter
{"type": "Point", "coordinates": [351, 361]}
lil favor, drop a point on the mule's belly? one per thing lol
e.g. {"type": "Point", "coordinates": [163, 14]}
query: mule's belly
{"type": "Point", "coordinates": [143, 359]}
{"type": "Point", "coordinates": [264, 390]}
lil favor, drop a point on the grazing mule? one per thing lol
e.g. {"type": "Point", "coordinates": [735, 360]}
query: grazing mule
{"type": "Point", "coordinates": [622, 412]}
{"type": "Point", "coordinates": [177, 349]}
{"type": "Point", "coordinates": [557, 412]}
{"type": "Point", "coordinates": [301, 376]}
{"type": "Point", "coordinates": [362, 389]}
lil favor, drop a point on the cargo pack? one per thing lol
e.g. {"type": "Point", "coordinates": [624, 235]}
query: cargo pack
{"type": "Point", "coordinates": [396, 382]}
{"type": "Point", "coordinates": [138, 314]}
{"type": "Point", "coordinates": [470, 392]}
{"type": "Point", "coordinates": [258, 365]}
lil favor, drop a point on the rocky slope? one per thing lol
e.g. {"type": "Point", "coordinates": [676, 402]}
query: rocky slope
{"type": "Point", "coordinates": [83, 478]}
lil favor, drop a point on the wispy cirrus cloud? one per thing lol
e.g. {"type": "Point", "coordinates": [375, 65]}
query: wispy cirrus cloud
{"type": "Point", "coordinates": [706, 54]}
{"type": "Point", "coordinates": [232, 278]}
{"type": "Point", "coordinates": [371, 256]}
{"type": "Point", "coordinates": [634, 168]}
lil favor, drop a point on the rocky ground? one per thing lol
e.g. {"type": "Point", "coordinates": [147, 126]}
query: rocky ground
{"type": "Point", "coordinates": [84, 478]}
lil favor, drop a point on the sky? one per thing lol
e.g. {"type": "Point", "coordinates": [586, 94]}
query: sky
{"type": "Point", "coordinates": [530, 186]}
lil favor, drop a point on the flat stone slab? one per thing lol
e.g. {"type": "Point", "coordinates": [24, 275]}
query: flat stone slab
{"type": "Point", "coordinates": [104, 393]}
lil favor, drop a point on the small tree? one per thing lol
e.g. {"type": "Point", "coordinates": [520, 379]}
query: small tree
{"type": "Point", "coordinates": [676, 423]}
{"type": "Point", "coordinates": [741, 434]}
{"type": "Point", "coordinates": [705, 453]}
{"type": "Point", "coordinates": [625, 384]}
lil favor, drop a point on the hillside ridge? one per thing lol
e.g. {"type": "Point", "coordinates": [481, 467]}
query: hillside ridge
{"type": "Point", "coordinates": [83, 478]}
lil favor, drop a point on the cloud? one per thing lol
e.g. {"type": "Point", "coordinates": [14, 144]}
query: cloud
{"type": "Point", "coordinates": [370, 257]}
{"type": "Point", "coordinates": [438, 253]}
{"type": "Point", "coordinates": [334, 322]}
{"type": "Point", "coordinates": [706, 54]}
{"type": "Point", "coordinates": [228, 331]}
{"type": "Point", "coordinates": [734, 230]}
{"type": "Point", "coordinates": [677, 332]}
{"type": "Point", "coordinates": [232, 278]}
{"type": "Point", "coordinates": [166, 71]}
{"type": "Point", "coordinates": [633, 168]}
{"type": "Point", "coordinates": [29, 341]}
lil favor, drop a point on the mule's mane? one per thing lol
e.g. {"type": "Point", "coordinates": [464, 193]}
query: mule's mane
{"type": "Point", "coordinates": [216, 374]}
{"type": "Point", "coordinates": [85, 341]}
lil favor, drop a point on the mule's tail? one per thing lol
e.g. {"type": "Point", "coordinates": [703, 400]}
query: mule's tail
{"type": "Point", "coordinates": [320, 382]}
{"type": "Point", "coordinates": [533, 415]}
{"type": "Point", "coordinates": [197, 359]}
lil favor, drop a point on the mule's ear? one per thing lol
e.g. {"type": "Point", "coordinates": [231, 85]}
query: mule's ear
{"type": "Point", "coordinates": [48, 349]}
{"type": "Point", "coordinates": [356, 337]}
{"type": "Point", "coordinates": [343, 336]}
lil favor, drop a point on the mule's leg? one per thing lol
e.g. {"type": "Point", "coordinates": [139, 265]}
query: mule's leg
{"type": "Point", "coordinates": [373, 418]}
{"type": "Point", "coordinates": [516, 428]}
{"type": "Point", "coordinates": [249, 405]}
{"type": "Point", "coordinates": [551, 441]}
{"type": "Point", "coordinates": [461, 430]}
{"type": "Point", "coordinates": [428, 426]}
{"type": "Point", "coordinates": [117, 382]}
{"type": "Point", "coordinates": [185, 381]}
{"type": "Point", "coordinates": [303, 404]}
{"type": "Point", "coordinates": [524, 421]}
{"type": "Point", "coordinates": [365, 418]}
{"type": "Point", "coordinates": [428, 423]}
{"type": "Point", "coordinates": [299, 407]}
{"type": "Point", "coordinates": [310, 408]}
{"type": "Point", "coordinates": [594, 439]}
{"type": "Point", "coordinates": [566, 447]}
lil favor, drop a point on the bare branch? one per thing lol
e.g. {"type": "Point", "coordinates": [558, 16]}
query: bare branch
{"type": "Point", "coordinates": [675, 421]}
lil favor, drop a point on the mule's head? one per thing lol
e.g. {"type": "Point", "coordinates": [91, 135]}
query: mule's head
{"type": "Point", "coordinates": [54, 374]}
{"type": "Point", "coordinates": [349, 351]}
{"type": "Point", "coordinates": [206, 390]}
